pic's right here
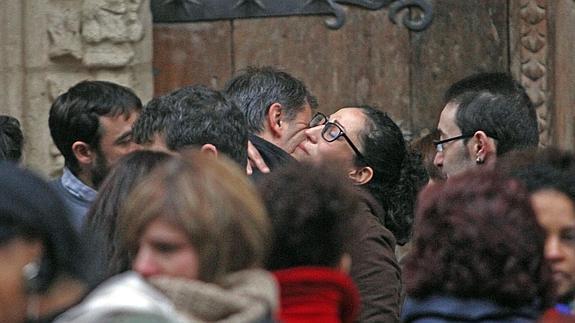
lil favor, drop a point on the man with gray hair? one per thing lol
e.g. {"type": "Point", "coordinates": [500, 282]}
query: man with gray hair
{"type": "Point", "coordinates": [278, 108]}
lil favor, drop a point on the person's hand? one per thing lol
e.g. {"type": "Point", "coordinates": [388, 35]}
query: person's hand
{"type": "Point", "coordinates": [255, 160]}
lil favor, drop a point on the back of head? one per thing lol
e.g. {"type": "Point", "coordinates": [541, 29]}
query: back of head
{"type": "Point", "coordinates": [29, 209]}
{"type": "Point", "coordinates": [497, 104]}
{"type": "Point", "coordinates": [426, 149]}
{"type": "Point", "coordinates": [504, 117]}
{"type": "Point", "coordinates": [11, 139]}
{"type": "Point", "coordinates": [102, 217]}
{"type": "Point", "coordinates": [74, 115]}
{"type": "Point", "coordinates": [256, 89]}
{"type": "Point", "coordinates": [213, 202]}
{"type": "Point", "coordinates": [459, 249]}
{"type": "Point", "coordinates": [485, 82]}
{"type": "Point", "coordinates": [398, 173]}
{"type": "Point", "coordinates": [206, 116]}
{"type": "Point", "coordinates": [155, 119]}
{"type": "Point", "coordinates": [309, 208]}
{"type": "Point", "coordinates": [542, 169]}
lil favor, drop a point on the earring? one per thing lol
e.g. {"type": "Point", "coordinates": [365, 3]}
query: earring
{"type": "Point", "coordinates": [30, 274]}
{"type": "Point", "coordinates": [479, 160]}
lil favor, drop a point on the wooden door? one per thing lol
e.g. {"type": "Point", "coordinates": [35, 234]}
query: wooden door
{"type": "Point", "coordinates": [369, 60]}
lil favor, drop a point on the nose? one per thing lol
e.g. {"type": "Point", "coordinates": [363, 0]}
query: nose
{"type": "Point", "coordinates": [145, 264]}
{"type": "Point", "coordinates": [438, 159]}
{"type": "Point", "coordinates": [312, 134]}
{"type": "Point", "coordinates": [553, 249]}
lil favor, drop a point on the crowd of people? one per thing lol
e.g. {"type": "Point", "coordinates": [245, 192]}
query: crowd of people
{"type": "Point", "coordinates": [248, 204]}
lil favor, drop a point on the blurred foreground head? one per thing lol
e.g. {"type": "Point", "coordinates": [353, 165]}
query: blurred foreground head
{"type": "Point", "coordinates": [40, 251]}
{"type": "Point", "coordinates": [196, 218]}
{"type": "Point", "coordinates": [477, 237]}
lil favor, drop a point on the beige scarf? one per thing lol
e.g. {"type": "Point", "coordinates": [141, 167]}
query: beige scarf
{"type": "Point", "coordinates": [244, 296]}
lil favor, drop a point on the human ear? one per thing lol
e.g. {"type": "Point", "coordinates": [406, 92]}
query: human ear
{"type": "Point", "coordinates": [83, 152]}
{"type": "Point", "coordinates": [482, 147]}
{"type": "Point", "coordinates": [209, 150]}
{"type": "Point", "coordinates": [274, 119]}
{"type": "Point", "coordinates": [344, 264]}
{"type": "Point", "coordinates": [361, 175]}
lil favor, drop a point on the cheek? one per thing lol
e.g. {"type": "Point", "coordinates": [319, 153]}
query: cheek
{"type": "Point", "coordinates": [335, 152]}
{"type": "Point", "coordinates": [570, 254]}
{"type": "Point", "coordinates": [12, 299]}
{"type": "Point", "coordinates": [186, 264]}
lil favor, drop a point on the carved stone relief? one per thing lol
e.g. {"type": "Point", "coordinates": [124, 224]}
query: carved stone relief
{"type": "Point", "coordinates": [93, 39]}
{"type": "Point", "coordinates": [100, 33]}
{"type": "Point", "coordinates": [109, 27]}
{"type": "Point", "coordinates": [64, 34]}
{"type": "Point", "coordinates": [533, 56]}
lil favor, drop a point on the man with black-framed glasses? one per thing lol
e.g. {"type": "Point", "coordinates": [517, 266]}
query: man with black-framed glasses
{"type": "Point", "coordinates": [485, 116]}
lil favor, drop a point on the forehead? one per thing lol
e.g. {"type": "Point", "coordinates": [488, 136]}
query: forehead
{"type": "Point", "coordinates": [305, 114]}
{"type": "Point", "coordinates": [351, 119]}
{"type": "Point", "coordinates": [118, 121]}
{"type": "Point", "coordinates": [553, 208]}
{"type": "Point", "coordinates": [447, 125]}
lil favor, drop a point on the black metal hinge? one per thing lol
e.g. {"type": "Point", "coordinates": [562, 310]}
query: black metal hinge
{"type": "Point", "coordinates": [175, 11]}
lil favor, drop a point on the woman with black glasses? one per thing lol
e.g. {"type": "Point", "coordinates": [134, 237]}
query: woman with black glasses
{"type": "Point", "coordinates": [369, 147]}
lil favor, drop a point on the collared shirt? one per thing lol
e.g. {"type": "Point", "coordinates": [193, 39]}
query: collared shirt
{"type": "Point", "coordinates": [77, 195]}
{"type": "Point", "coordinates": [76, 187]}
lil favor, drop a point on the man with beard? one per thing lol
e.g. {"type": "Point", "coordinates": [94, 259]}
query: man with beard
{"type": "Point", "coordinates": [485, 116]}
{"type": "Point", "coordinates": [91, 124]}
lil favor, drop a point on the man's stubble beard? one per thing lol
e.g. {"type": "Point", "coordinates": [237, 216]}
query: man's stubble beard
{"type": "Point", "coordinates": [99, 170]}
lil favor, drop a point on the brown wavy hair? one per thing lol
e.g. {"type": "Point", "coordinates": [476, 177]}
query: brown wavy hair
{"type": "Point", "coordinates": [476, 236]}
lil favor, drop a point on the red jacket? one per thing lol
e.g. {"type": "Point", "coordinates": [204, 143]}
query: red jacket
{"type": "Point", "coordinates": [316, 294]}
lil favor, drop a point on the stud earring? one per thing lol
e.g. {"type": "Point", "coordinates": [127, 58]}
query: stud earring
{"type": "Point", "coordinates": [30, 273]}
{"type": "Point", "coordinates": [479, 160]}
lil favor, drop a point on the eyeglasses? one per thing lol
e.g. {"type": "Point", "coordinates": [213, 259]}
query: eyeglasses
{"type": "Point", "coordinates": [332, 131]}
{"type": "Point", "coordinates": [439, 143]}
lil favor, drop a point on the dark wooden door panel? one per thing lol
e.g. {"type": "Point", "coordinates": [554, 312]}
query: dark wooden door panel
{"type": "Point", "coordinates": [368, 61]}
{"type": "Point", "coordinates": [463, 39]}
{"type": "Point", "coordinates": [185, 54]}
{"type": "Point", "coordinates": [363, 62]}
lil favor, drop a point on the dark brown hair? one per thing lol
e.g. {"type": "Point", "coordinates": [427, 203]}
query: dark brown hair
{"type": "Point", "coordinates": [476, 236]}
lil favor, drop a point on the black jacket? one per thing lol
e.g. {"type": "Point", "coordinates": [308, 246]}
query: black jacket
{"type": "Point", "coordinates": [273, 155]}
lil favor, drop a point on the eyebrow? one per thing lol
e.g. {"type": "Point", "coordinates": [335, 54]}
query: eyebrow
{"type": "Point", "coordinates": [440, 132]}
{"type": "Point", "coordinates": [339, 124]}
{"type": "Point", "coordinates": [123, 137]}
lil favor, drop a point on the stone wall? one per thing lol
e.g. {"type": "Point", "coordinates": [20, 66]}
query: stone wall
{"type": "Point", "coordinates": [46, 46]}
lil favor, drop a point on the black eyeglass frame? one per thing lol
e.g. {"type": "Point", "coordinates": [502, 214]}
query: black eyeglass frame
{"type": "Point", "coordinates": [324, 121]}
{"type": "Point", "coordinates": [439, 143]}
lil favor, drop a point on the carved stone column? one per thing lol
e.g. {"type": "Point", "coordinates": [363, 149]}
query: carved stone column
{"type": "Point", "coordinates": [530, 56]}
{"type": "Point", "coordinates": [543, 58]}
{"type": "Point", "coordinates": [49, 45]}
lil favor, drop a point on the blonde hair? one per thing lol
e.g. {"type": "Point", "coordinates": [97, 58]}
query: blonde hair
{"type": "Point", "coordinates": [216, 205]}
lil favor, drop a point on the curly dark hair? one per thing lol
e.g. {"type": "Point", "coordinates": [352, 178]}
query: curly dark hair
{"type": "Point", "coordinates": [476, 236]}
{"type": "Point", "coordinates": [398, 172]}
{"type": "Point", "coordinates": [309, 209]}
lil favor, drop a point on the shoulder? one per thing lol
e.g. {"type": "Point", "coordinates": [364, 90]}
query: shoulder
{"type": "Point", "coordinates": [367, 226]}
{"type": "Point", "coordinates": [126, 295]}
